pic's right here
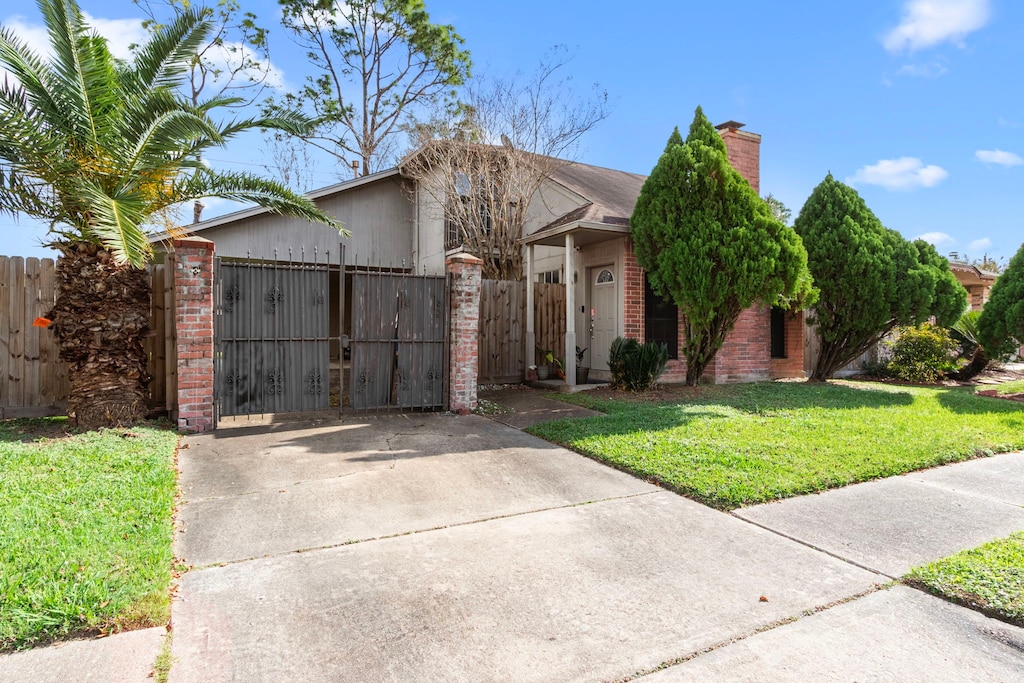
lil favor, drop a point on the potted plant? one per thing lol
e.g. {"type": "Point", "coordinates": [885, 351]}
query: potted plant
{"type": "Point", "coordinates": [582, 373]}
{"type": "Point", "coordinates": [544, 368]}
{"type": "Point", "coordinates": [559, 368]}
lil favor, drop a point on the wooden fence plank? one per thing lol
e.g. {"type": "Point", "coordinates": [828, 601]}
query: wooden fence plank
{"type": "Point", "coordinates": [48, 364]}
{"type": "Point", "coordinates": [5, 330]}
{"type": "Point", "coordinates": [16, 336]}
{"type": "Point", "coordinates": [33, 390]}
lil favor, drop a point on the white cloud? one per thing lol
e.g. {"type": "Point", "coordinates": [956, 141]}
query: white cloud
{"type": "Point", "coordinates": [936, 238]}
{"type": "Point", "coordinates": [120, 33]}
{"type": "Point", "coordinates": [229, 55]}
{"type": "Point", "coordinates": [929, 22]}
{"type": "Point", "coordinates": [980, 245]}
{"type": "Point", "coordinates": [905, 173]}
{"type": "Point", "coordinates": [929, 71]}
{"type": "Point", "coordinates": [998, 156]}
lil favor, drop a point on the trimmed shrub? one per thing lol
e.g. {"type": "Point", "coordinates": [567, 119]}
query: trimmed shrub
{"type": "Point", "coordinates": [636, 366]}
{"type": "Point", "coordinates": [922, 354]}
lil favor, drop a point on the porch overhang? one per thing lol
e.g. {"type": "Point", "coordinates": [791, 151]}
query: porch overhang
{"type": "Point", "coordinates": [583, 232]}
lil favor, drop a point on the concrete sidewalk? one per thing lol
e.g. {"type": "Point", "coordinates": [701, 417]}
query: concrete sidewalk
{"type": "Point", "coordinates": [122, 658]}
{"type": "Point", "coordinates": [893, 524]}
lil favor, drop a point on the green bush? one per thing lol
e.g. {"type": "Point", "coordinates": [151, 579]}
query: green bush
{"type": "Point", "coordinates": [965, 333]}
{"type": "Point", "coordinates": [636, 366]}
{"type": "Point", "coordinates": [922, 354]}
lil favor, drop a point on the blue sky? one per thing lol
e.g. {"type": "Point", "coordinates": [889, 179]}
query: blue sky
{"type": "Point", "coordinates": [917, 103]}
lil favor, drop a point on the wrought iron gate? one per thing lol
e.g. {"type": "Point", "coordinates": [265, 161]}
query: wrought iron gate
{"type": "Point", "coordinates": [271, 336]}
{"type": "Point", "coordinates": [399, 341]}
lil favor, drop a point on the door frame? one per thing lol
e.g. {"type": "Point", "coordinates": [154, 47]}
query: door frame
{"type": "Point", "coordinates": [592, 273]}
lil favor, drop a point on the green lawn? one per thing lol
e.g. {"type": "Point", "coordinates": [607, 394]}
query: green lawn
{"type": "Point", "coordinates": [989, 578]}
{"type": "Point", "coordinates": [85, 529]}
{"type": "Point", "coordinates": [734, 445]}
{"type": "Point", "coordinates": [1015, 387]}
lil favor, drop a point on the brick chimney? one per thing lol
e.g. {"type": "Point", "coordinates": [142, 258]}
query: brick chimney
{"type": "Point", "coordinates": [744, 151]}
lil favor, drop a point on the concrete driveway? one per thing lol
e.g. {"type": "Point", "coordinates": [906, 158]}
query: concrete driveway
{"type": "Point", "coordinates": [430, 547]}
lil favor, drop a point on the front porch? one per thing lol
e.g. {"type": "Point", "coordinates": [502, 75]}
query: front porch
{"type": "Point", "coordinates": [591, 266]}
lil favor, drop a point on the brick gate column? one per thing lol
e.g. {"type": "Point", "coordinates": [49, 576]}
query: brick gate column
{"type": "Point", "coordinates": [193, 319]}
{"type": "Point", "coordinates": [463, 342]}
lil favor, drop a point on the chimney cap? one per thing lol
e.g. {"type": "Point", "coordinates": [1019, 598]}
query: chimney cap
{"type": "Point", "coordinates": [730, 124]}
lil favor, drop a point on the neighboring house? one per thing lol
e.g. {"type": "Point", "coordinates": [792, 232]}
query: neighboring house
{"type": "Point", "coordinates": [577, 233]}
{"type": "Point", "coordinates": [977, 282]}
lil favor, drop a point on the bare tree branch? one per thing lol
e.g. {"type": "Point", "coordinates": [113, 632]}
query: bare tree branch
{"type": "Point", "coordinates": [484, 160]}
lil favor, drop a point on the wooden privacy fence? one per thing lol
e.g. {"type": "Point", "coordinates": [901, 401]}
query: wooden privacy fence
{"type": "Point", "coordinates": [812, 349]}
{"type": "Point", "coordinates": [502, 337]}
{"type": "Point", "coordinates": [33, 379]}
{"type": "Point", "coordinates": [549, 320]}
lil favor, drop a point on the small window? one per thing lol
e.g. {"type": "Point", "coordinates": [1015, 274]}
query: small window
{"type": "Point", "coordinates": [550, 277]}
{"type": "Point", "coordinates": [778, 332]}
{"type": "Point", "coordinates": [605, 277]}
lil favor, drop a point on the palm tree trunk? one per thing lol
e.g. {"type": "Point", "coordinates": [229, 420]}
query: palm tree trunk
{"type": "Point", "coordinates": [100, 318]}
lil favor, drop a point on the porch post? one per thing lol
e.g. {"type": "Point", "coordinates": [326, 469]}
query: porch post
{"type": "Point", "coordinates": [531, 333]}
{"type": "Point", "coordinates": [570, 310]}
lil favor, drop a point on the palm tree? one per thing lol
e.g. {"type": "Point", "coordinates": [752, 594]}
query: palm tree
{"type": "Point", "coordinates": [99, 148]}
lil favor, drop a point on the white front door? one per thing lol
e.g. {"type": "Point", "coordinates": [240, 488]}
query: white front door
{"type": "Point", "coordinates": [603, 314]}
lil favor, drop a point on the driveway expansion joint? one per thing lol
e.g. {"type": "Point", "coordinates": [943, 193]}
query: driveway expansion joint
{"type": "Point", "coordinates": [819, 549]}
{"type": "Point", "coordinates": [770, 626]}
{"type": "Point", "coordinates": [961, 492]}
{"type": "Point", "coordinates": [454, 525]}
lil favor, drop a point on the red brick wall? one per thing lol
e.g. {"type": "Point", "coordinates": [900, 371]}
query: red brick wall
{"type": "Point", "coordinates": [793, 364]}
{"type": "Point", "coordinates": [193, 300]}
{"type": "Point", "coordinates": [463, 348]}
{"type": "Point", "coordinates": [744, 154]}
{"type": "Point", "coordinates": [746, 354]}
{"type": "Point", "coordinates": [633, 295]}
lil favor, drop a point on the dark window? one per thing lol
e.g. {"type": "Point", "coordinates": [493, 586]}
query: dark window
{"type": "Point", "coordinates": [661, 321]}
{"type": "Point", "coordinates": [778, 333]}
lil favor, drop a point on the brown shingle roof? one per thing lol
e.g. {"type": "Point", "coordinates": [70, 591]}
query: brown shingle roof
{"type": "Point", "coordinates": [611, 194]}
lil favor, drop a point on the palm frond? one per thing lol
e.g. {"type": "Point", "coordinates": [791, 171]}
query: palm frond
{"type": "Point", "coordinates": [117, 222]}
{"type": "Point", "coordinates": [163, 61]}
{"type": "Point", "coordinates": [285, 120]}
{"type": "Point", "coordinates": [245, 187]}
{"type": "Point", "coordinates": [167, 140]}
{"type": "Point", "coordinates": [72, 67]}
{"type": "Point", "coordinates": [29, 71]}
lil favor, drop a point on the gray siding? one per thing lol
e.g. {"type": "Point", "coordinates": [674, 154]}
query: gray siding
{"type": "Point", "coordinates": [379, 216]}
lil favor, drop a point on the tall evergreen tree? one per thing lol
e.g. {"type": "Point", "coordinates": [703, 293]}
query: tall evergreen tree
{"type": "Point", "coordinates": [871, 279]}
{"type": "Point", "coordinates": [1002, 320]}
{"type": "Point", "coordinates": [711, 245]}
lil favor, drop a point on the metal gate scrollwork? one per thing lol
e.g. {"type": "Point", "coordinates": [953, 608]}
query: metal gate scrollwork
{"type": "Point", "coordinates": [272, 336]}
